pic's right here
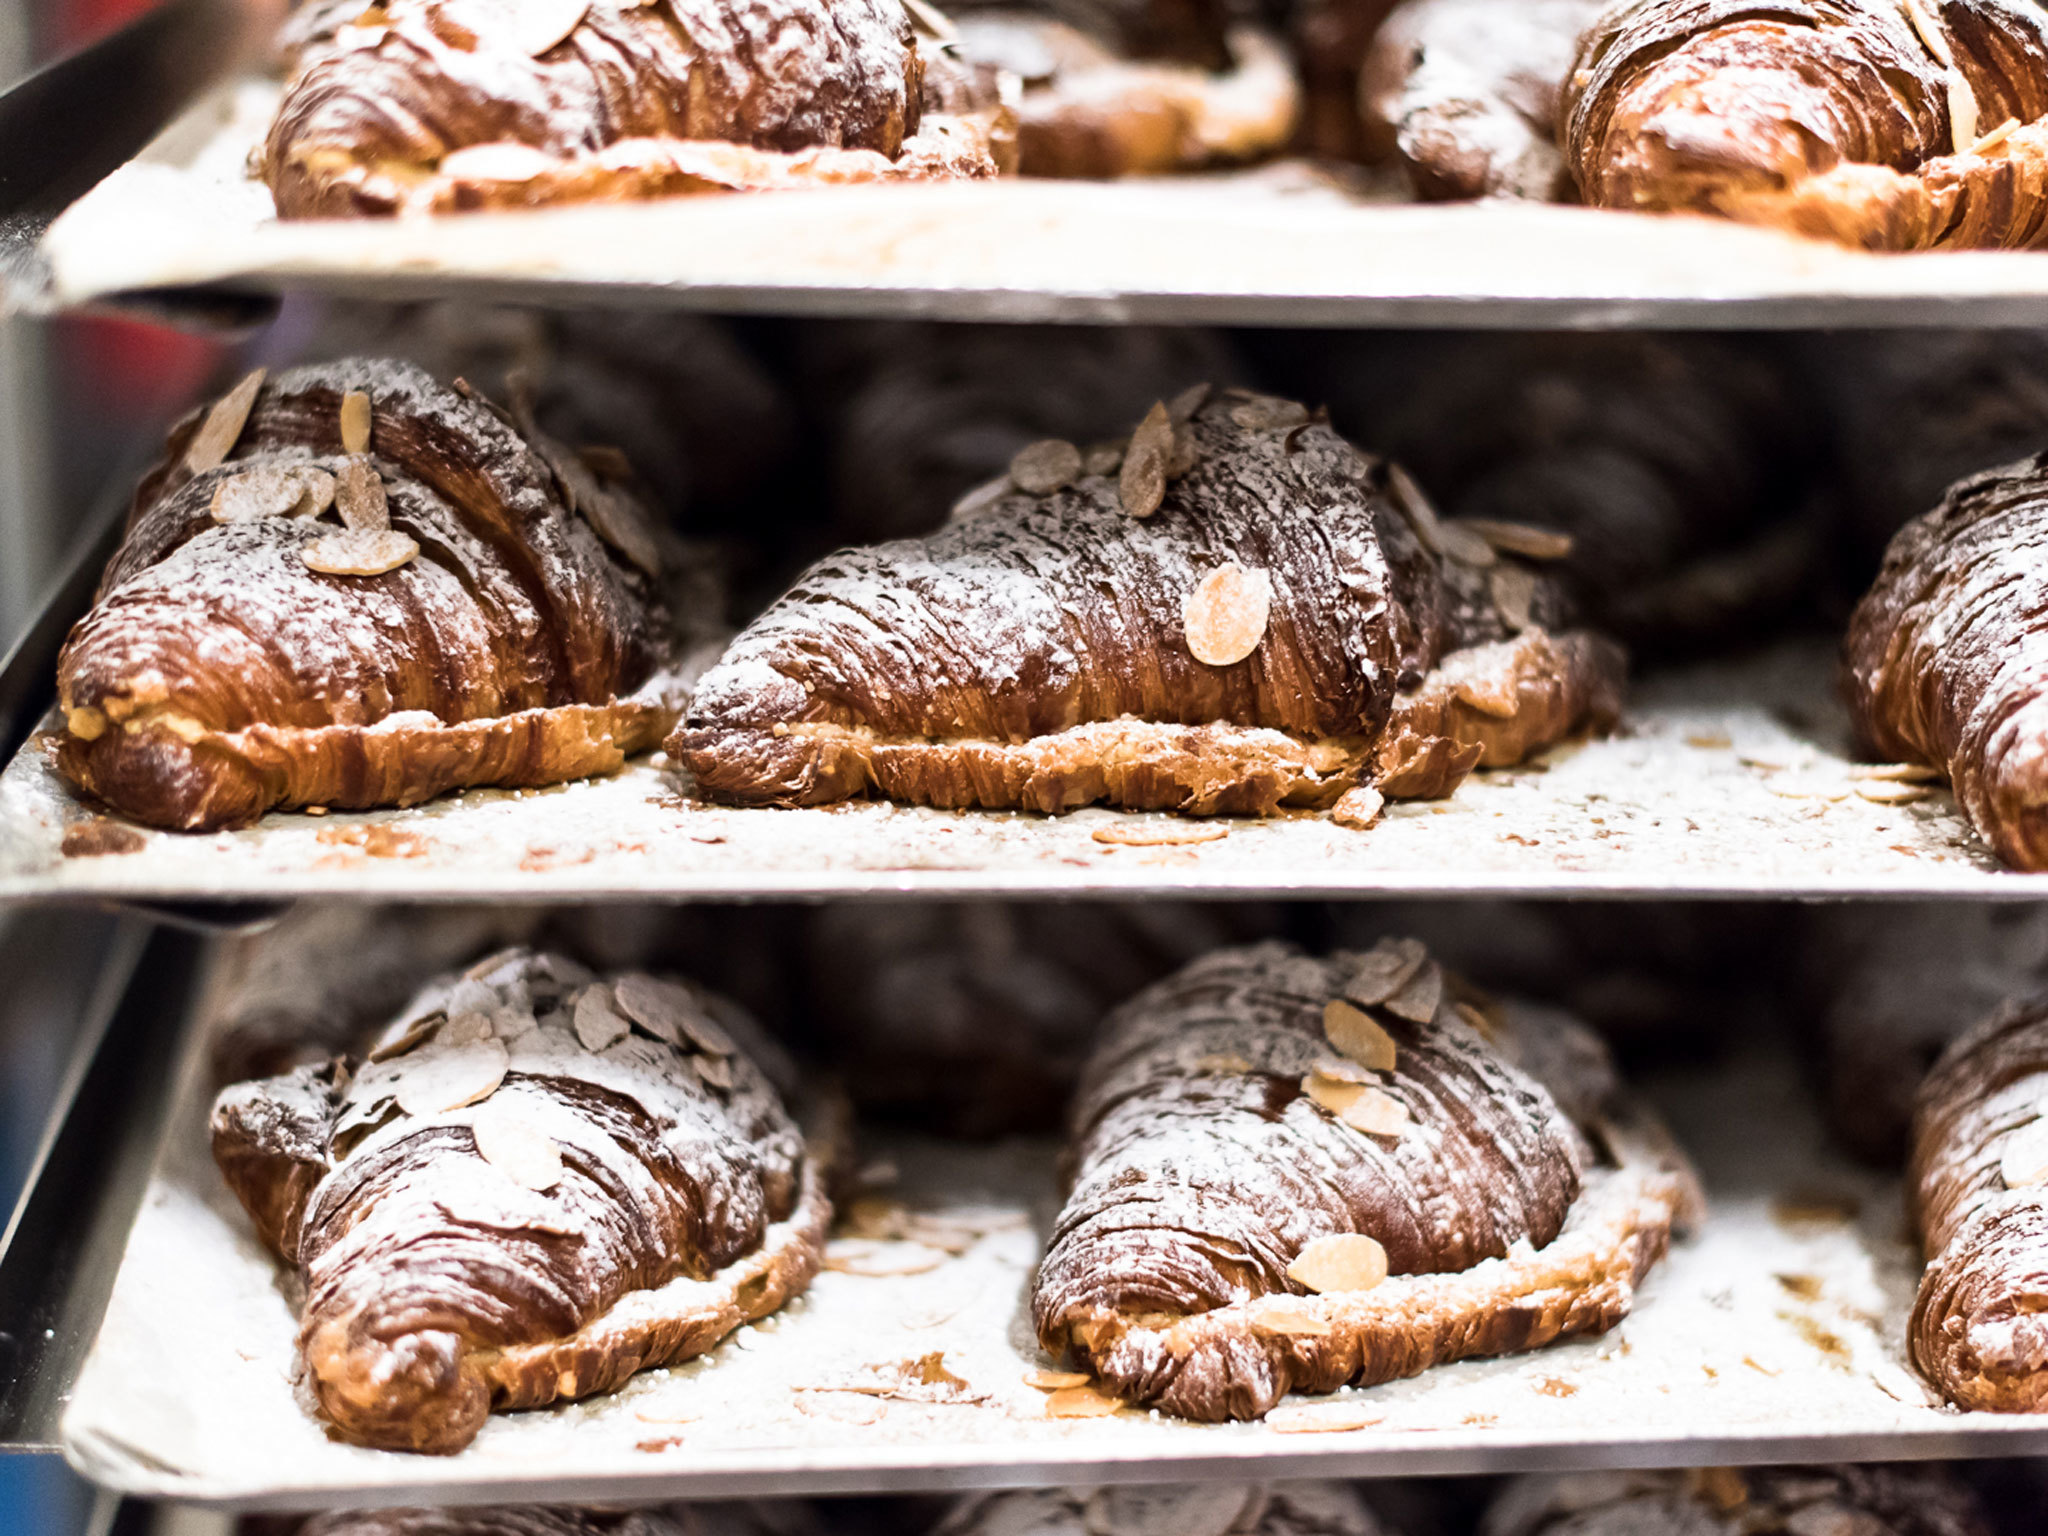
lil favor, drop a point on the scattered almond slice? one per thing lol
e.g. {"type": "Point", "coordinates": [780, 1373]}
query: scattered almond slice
{"type": "Point", "coordinates": [1420, 998]}
{"type": "Point", "coordinates": [1319, 1419]}
{"type": "Point", "coordinates": [596, 1022]}
{"type": "Point", "coordinates": [1892, 792]}
{"type": "Point", "coordinates": [1416, 508]}
{"type": "Point", "coordinates": [1962, 111]}
{"type": "Point", "coordinates": [1268, 413]}
{"type": "Point", "coordinates": [503, 161]}
{"type": "Point", "coordinates": [1225, 616]}
{"type": "Point", "coordinates": [1902, 773]}
{"type": "Point", "coordinates": [355, 422]}
{"type": "Point", "coordinates": [1384, 970]}
{"type": "Point", "coordinates": [879, 1260]}
{"type": "Point", "coordinates": [1343, 1261]}
{"type": "Point", "coordinates": [715, 1070]}
{"type": "Point", "coordinates": [1141, 484]}
{"type": "Point", "coordinates": [1080, 1403]}
{"type": "Point", "coordinates": [1336, 1097]}
{"type": "Point", "coordinates": [1356, 1034]}
{"type": "Point", "coordinates": [1288, 1315]}
{"type": "Point", "coordinates": [1182, 407]}
{"type": "Point", "coordinates": [1377, 1114]}
{"type": "Point", "coordinates": [1187, 453]}
{"type": "Point", "coordinates": [1055, 1381]}
{"type": "Point", "coordinates": [1150, 834]}
{"type": "Point", "coordinates": [660, 1007]}
{"type": "Point", "coordinates": [1513, 590]}
{"type": "Point", "coordinates": [359, 497]}
{"type": "Point", "coordinates": [1995, 137]}
{"type": "Point", "coordinates": [267, 490]}
{"type": "Point", "coordinates": [465, 1028]}
{"type": "Point", "coordinates": [360, 554]}
{"type": "Point", "coordinates": [1462, 544]}
{"type": "Point", "coordinates": [218, 433]}
{"type": "Point", "coordinates": [987, 494]}
{"type": "Point", "coordinates": [1336, 1069]}
{"type": "Point", "coordinates": [2023, 1161]}
{"type": "Point", "coordinates": [526, 1156]}
{"type": "Point", "coordinates": [1358, 807]}
{"type": "Point", "coordinates": [1045, 467]}
{"type": "Point", "coordinates": [434, 1081]}
{"type": "Point", "coordinates": [1524, 539]}
{"type": "Point", "coordinates": [1226, 1062]}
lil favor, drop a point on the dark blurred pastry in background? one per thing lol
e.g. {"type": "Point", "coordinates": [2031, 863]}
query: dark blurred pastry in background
{"type": "Point", "coordinates": [1741, 1501]}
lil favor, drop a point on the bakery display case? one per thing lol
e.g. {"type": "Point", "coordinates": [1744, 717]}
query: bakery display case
{"type": "Point", "coordinates": [1186, 839]}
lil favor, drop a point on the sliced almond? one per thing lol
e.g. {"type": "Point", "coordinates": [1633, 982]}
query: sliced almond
{"type": "Point", "coordinates": [1268, 413]}
{"type": "Point", "coordinates": [359, 497]}
{"type": "Point", "coordinates": [1223, 1064]}
{"type": "Point", "coordinates": [218, 433]}
{"type": "Point", "coordinates": [504, 162]}
{"type": "Point", "coordinates": [355, 422]}
{"type": "Point", "coordinates": [1187, 453]}
{"type": "Point", "coordinates": [1419, 1000]}
{"type": "Point", "coordinates": [1336, 1069]}
{"type": "Point", "coordinates": [660, 1007]}
{"type": "Point", "coordinates": [614, 515]}
{"type": "Point", "coordinates": [434, 1081]}
{"type": "Point", "coordinates": [1225, 616]}
{"type": "Point", "coordinates": [1103, 458]}
{"type": "Point", "coordinates": [1931, 35]}
{"type": "Point", "coordinates": [412, 1035]}
{"type": "Point", "coordinates": [1356, 1034]}
{"type": "Point", "coordinates": [360, 554]}
{"type": "Point", "coordinates": [1336, 1097]}
{"type": "Point", "coordinates": [1962, 111]}
{"type": "Point", "coordinates": [1377, 1114]}
{"type": "Point", "coordinates": [1182, 407]}
{"type": "Point", "coordinates": [528, 1157]}
{"type": "Point", "coordinates": [316, 490]}
{"type": "Point", "coordinates": [1891, 792]}
{"type": "Point", "coordinates": [1158, 834]}
{"type": "Point", "coordinates": [1320, 1419]}
{"type": "Point", "coordinates": [1080, 1403]}
{"type": "Point", "coordinates": [267, 490]}
{"type": "Point", "coordinates": [465, 1029]}
{"type": "Point", "coordinates": [1415, 508]}
{"type": "Point", "coordinates": [1384, 970]}
{"type": "Point", "coordinates": [1344, 1261]}
{"type": "Point", "coordinates": [715, 1070]}
{"type": "Point", "coordinates": [596, 1022]}
{"type": "Point", "coordinates": [1903, 773]}
{"type": "Point", "coordinates": [1513, 590]}
{"type": "Point", "coordinates": [982, 498]}
{"type": "Point", "coordinates": [1995, 137]}
{"type": "Point", "coordinates": [1055, 1381]}
{"type": "Point", "coordinates": [1358, 807]}
{"type": "Point", "coordinates": [1524, 539]}
{"type": "Point", "coordinates": [1045, 467]}
{"type": "Point", "coordinates": [1287, 1315]}
{"type": "Point", "coordinates": [1141, 484]}
{"type": "Point", "coordinates": [2023, 1161]}
{"type": "Point", "coordinates": [1462, 544]}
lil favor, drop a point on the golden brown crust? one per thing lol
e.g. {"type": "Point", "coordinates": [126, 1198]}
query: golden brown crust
{"type": "Point", "coordinates": [218, 676]}
{"type": "Point", "coordinates": [540, 1183]}
{"type": "Point", "coordinates": [1943, 663]}
{"type": "Point", "coordinates": [1980, 1323]}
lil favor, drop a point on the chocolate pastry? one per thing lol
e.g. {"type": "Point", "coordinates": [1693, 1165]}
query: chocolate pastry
{"type": "Point", "coordinates": [1130, 87]}
{"type": "Point", "coordinates": [1940, 666]}
{"type": "Point", "coordinates": [441, 105]}
{"type": "Point", "coordinates": [1288, 1174]}
{"type": "Point", "coordinates": [538, 1182]}
{"type": "Point", "coordinates": [1467, 90]}
{"type": "Point", "coordinates": [1893, 127]}
{"type": "Point", "coordinates": [1213, 1509]}
{"type": "Point", "coordinates": [488, 610]}
{"type": "Point", "coordinates": [1681, 467]}
{"type": "Point", "coordinates": [1974, 1186]}
{"type": "Point", "coordinates": [752, 1519]}
{"type": "Point", "coordinates": [1741, 1501]}
{"type": "Point", "coordinates": [1235, 611]}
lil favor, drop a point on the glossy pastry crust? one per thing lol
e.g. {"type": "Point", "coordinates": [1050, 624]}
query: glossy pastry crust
{"type": "Point", "coordinates": [442, 105]}
{"type": "Point", "coordinates": [218, 676]}
{"type": "Point", "coordinates": [1889, 127]}
{"type": "Point", "coordinates": [1204, 1165]}
{"type": "Point", "coordinates": [1942, 661]}
{"type": "Point", "coordinates": [1979, 1330]}
{"type": "Point", "coordinates": [538, 1183]}
{"type": "Point", "coordinates": [1036, 652]}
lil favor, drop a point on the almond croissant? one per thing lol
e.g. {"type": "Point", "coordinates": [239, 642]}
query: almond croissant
{"type": "Point", "coordinates": [540, 1182]}
{"type": "Point", "coordinates": [487, 611]}
{"type": "Point", "coordinates": [1236, 610]}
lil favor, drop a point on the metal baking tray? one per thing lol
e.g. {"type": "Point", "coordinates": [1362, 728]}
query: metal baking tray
{"type": "Point", "coordinates": [1726, 780]}
{"type": "Point", "coordinates": [1775, 1334]}
{"type": "Point", "coordinates": [1282, 244]}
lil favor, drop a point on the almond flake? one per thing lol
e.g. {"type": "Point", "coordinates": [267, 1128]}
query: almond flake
{"type": "Point", "coordinates": [1524, 539]}
{"type": "Point", "coordinates": [1141, 485]}
{"type": "Point", "coordinates": [360, 554]}
{"type": "Point", "coordinates": [265, 491]}
{"type": "Point", "coordinates": [715, 1070]}
{"type": "Point", "coordinates": [1377, 1114]}
{"type": "Point", "coordinates": [1995, 137]}
{"type": "Point", "coordinates": [410, 1036]}
{"type": "Point", "coordinates": [529, 1158]}
{"type": "Point", "coordinates": [1903, 773]}
{"type": "Point", "coordinates": [1183, 406]}
{"type": "Point", "coordinates": [359, 497]}
{"type": "Point", "coordinates": [465, 1029]}
{"type": "Point", "coordinates": [1358, 807]}
{"type": "Point", "coordinates": [1319, 1419]}
{"type": "Point", "coordinates": [1356, 1034]}
{"type": "Point", "coordinates": [2024, 1159]}
{"type": "Point", "coordinates": [614, 515]}
{"type": "Point", "coordinates": [1045, 467]}
{"type": "Point", "coordinates": [1384, 970]}
{"type": "Point", "coordinates": [1336, 1097]}
{"type": "Point", "coordinates": [1931, 35]}
{"type": "Point", "coordinates": [1962, 111]}
{"type": "Point", "coordinates": [1103, 458]}
{"type": "Point", "coordinates": [1513, 590]}
{"type": "Point", "coordinates": [1054, 1381]}
{"type": "Point", "coordinates": [986, 495]}
{"type": "Point", "coordinates": [1418, 1001]}
{"type": "Point", "coordinates": [597, 1023]}
{"type": "Point", "coordinates": [434, 1081]}
{"type": "Point", "coordinates": [1343, 1261]}
{"type": "Point", "coordinates": [1415, 508]}
{"type": "Point", "coordinates": [1187, 453]}
{"type": "Point", "coordinates": [218, 433]}
{"type": "Point", "coordinates": [1336, 1069]}
{"type": "Point", "coordinates": [1225, 616]}
{"type": "Point", "coordinates": [1288, 1315]}
{"type": "Point", "coordinates": [316, 490]}
{"type": "Point", "coordinates": [1223, 1063]}
{"type": "Point", "coordinates": [1080, 1403]}
{"type": "Point", "coordinates": [355, 422]}
{"type": "Point", "coordinates": [931, 21]}
{"type": "Point", "coordinates": [1891, 792]}
{"type": "Point", "coordinates": [659, 1007]}
{"type": "Point", "coordinates": [1268, 413]}
{"type": "Point", "coordinates": [504, 162]}
{"type": "Point", "coordinates": [1464, 545]}
{"type": "Point", "coordinates": [1152, 834]}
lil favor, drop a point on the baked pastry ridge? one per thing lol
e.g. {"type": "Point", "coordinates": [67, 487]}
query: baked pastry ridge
{"type": "Point", "coordinates": [446, 105]}
{"type": "Point", "coordinates": [487, 611]}
{"type": "Point", "coordinates": [539, 1182]}
{"type": "Point", "coordinates": [1234, 611]}
{"type": "Point", "coordinates": [1288, 1174]}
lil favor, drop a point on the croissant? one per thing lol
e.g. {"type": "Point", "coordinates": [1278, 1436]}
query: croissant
{"type": "Point", "coordinates": [1892, 127]}
{"type": "Point", "coordinates": [1974, 1187]}
{"type": "Point", "coordinates": [487, 611]}
{"type": "Point", "coordinates": [1941, 666]}
{"type": "Point", "coordinates": [1234, 611]}
{"type": "Point", "coordinates": [1741, 1501]}
{"type": "Point", "coordinates": [440, 105]}
{"type": "Point", "coordinates": [1291, 1173]}
{"type": "Point", "coordinates": [1226, 1509]}
{"type": "Point", "coordinates": [539, 1182]}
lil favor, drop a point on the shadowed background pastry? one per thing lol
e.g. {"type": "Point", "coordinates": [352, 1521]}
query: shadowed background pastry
{"type": "Point", "coordinates": [1945, 665]}
{"type": "Point", "coordinates": [486, 609]}
{"type": "Point", "coordinates": [1287, 1174]}
{"type": "Point", "coordinates": [538, 1182]}
{"type": "Point", "coordinates": [445, 105]}
{"type": "Point", "coordinates": [1233, 611]}
{"type": "Point", "coordinates": [758, 1518]}
{"type": "Point", "coordinates": [1977, 1187]}
{"type": "Point", "coordinates": [1227, 1509]}
{"type": "Point", "coordinates": [1741, 1501]}
{"type": "Point", "coordinates": [1878, 125]}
